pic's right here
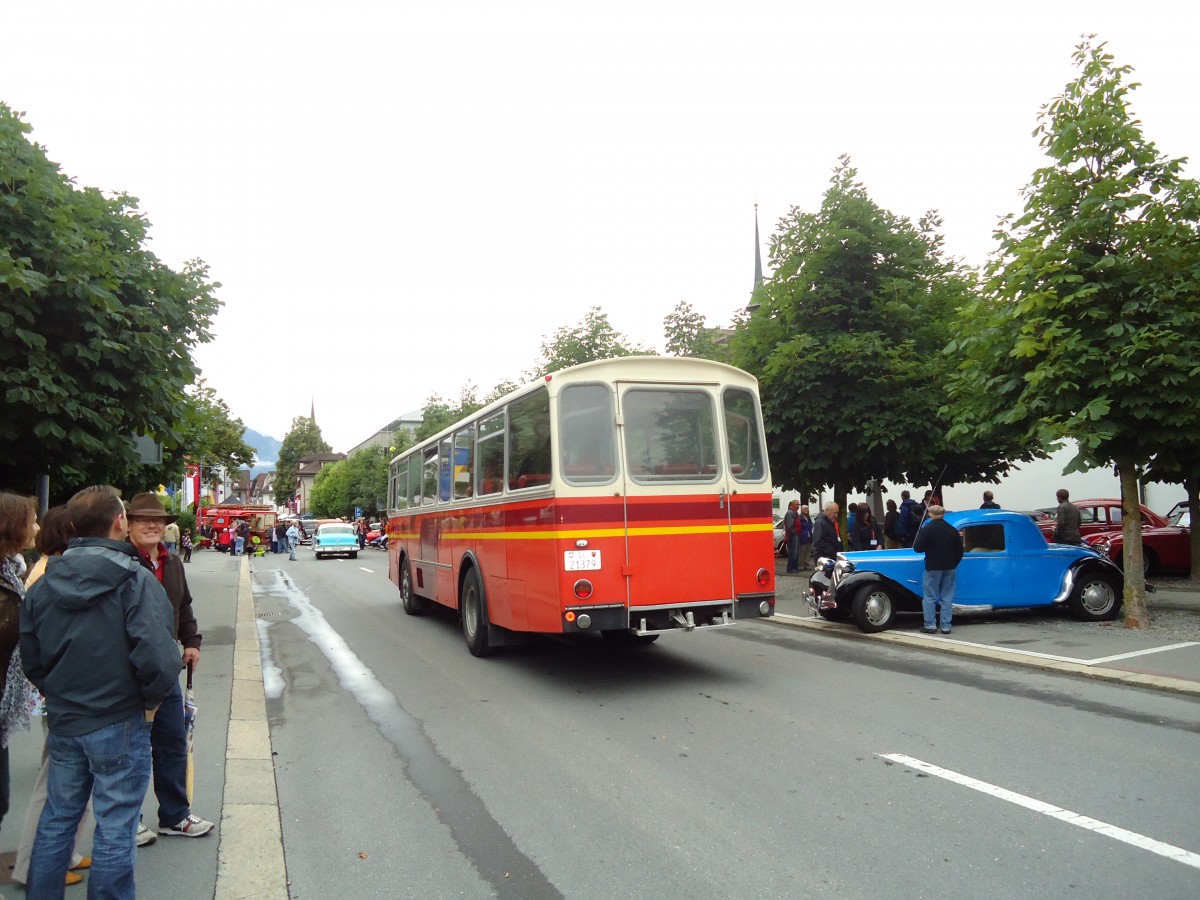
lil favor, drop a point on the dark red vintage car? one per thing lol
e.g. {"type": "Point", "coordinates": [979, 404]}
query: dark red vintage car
{"type": "Point", "coordinates": [1097, 517]}
{"type": "Point", "coordinates": [1164, 548]}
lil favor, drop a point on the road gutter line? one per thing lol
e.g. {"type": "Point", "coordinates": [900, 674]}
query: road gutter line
{"type": "Point", "coordinates": [1140, 841]}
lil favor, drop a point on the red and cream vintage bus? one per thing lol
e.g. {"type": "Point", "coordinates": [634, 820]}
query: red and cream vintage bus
{"type": "Point", "coordinates": [628, 497]}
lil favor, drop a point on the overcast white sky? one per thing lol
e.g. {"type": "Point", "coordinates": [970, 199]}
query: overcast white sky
{"type": "Point", "coordinates": [399, 198]}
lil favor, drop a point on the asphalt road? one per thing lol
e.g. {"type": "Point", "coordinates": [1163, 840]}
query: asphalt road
{"type": "Point", "coordinates": [751, 762]}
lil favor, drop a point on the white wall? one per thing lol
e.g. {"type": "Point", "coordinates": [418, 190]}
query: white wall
{"type": "Point", "coordinates": [1032, 486]}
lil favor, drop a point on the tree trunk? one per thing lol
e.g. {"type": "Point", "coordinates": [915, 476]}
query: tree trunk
{"type": "Point", "coordinates": [840, 492]}
{"type": "Point", "coordinates": [1131, 527]}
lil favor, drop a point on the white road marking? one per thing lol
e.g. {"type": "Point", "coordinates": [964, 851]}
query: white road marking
{"type": "Point", "coordinates": [1067, 659]}
{"type": "Point", "coordinates": [1120, 834]}
{"type": "Point", "coordinates": [1104, 659]}
{"type": "Point", "coordinates": [365, 569]}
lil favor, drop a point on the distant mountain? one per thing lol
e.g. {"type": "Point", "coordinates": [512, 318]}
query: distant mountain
{"type": "Point", "coordinates": [266, 449]}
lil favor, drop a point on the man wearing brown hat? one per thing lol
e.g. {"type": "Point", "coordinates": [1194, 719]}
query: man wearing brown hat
{"type": "Point", "coordinates": [168, 736]}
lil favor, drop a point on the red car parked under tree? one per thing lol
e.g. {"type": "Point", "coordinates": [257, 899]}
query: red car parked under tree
{"type": "Point", "coordinates": [1097, 517]}
{"type": "Point", "coordinates": [1166, 547]}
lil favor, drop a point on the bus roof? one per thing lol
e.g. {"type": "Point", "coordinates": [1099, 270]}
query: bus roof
{"type": "Point", "coordinates": [633, 368]}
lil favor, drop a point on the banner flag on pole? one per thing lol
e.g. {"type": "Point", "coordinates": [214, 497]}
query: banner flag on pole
{"type": "Point", "coordinates": [191, 486]}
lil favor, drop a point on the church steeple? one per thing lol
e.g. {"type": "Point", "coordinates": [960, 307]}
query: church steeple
{"type": "Point", "coordinates": [758, 273]}
{"type": "Point", "coordinates": [312, 413]}
{"type": "Point", "coordinates": [757, 253]}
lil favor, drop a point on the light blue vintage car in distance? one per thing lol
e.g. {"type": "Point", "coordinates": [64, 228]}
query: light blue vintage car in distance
{"type": "Point", "coordinates": [336, 539]}
{"type": "Point", "coordinates": [1006, 564]}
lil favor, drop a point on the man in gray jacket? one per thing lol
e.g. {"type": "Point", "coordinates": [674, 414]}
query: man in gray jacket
{"type": "Point", "coordinates": [96, 641]}
{"type": "Point", "coordinates": [1066, 523]}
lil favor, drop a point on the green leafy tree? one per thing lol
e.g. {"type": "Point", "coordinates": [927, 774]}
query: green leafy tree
{"type": "Point", "coordinates": [846, 343]}
{"type": "Point", "coordinates": [304, 439]}
{"type": "Point", "coordinates": [209, 433]}
{"type": "Point", "coordinates": [357, 482]}
{"type": "Point", "coordinates": [594, 338]}
{"type": "Point", "coordinates": [99, 333]}
{"type": "Point", "coordinates": [439, 414]}
{"type": "Point", "coordinates": [330, 496]}
{"type": "Point", "coordinates": [1090, 328]}
{"type": "Point", "coordinates": [687, 335]}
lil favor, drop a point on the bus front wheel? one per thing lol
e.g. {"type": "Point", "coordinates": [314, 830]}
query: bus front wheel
{"type": "Point", "coordinates": [472, 607]}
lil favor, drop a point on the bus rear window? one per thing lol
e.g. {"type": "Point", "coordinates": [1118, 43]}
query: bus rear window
{"type": "Point", "coordinates": [670, 435]}
{"type": "Point", "coordinates": [743, 435]}
{"type": "Point", "coordinates": [587, 434]}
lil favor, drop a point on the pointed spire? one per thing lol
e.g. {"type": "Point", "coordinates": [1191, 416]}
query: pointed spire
{"type": "Point", "coordinates": [758, 273]}
{"type": "Point", "coordinates": [312, 413]}
{"type": "Point", "coordinates": [757, 253]}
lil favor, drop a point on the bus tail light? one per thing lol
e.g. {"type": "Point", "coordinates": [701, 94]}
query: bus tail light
{"type": "Point", "coordinates": [583, 589]}
{"type": "Point", "coordinates": [763, 577]}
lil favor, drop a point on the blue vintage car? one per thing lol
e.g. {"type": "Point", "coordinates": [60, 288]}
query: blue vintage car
{"type": "Point", "coordinates": [336, 539]}
{"type": "Point", "coordinates": [1006, 564]}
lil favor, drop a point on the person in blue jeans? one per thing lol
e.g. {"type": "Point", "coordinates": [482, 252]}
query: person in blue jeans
{"type": "Point", "coordinates": [943, 548]}
{"type": "Point", "coordinates": [791, 533]}
{"type": "Point", "coordinates": [96, 641]}
{"type": "Point", "coordinates": [168, 737]}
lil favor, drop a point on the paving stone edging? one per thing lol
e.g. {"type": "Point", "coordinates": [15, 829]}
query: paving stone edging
{"type": "Point", "coordinates": [250, 859]}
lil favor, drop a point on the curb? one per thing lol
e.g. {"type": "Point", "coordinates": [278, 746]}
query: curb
{"type": "Point", "coordinates": [945, 645]}
{"type": "Point", "coordinates": [250, 858]}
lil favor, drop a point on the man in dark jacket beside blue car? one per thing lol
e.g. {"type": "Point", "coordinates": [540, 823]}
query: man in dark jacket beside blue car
{"type": "Point", "coordinates": [943, 548]}
{"type": "Point", "coordinates": [96, 640]}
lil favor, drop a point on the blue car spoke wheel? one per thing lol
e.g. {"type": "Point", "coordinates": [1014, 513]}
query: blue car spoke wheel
{"type": "Point", "coordinates": [1096, 597]}
{"type": "Point", "coordinates": [874, 609]}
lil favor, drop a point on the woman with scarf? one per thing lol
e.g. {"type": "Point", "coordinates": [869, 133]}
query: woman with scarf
{"type": "Point", "coordinates": [18, 529]}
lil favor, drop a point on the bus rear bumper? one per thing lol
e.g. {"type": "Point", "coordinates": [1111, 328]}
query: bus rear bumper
{"type": "Point", "coordinates": [667, 617]}
{"type": "Point", "coordinates": [755, 606]}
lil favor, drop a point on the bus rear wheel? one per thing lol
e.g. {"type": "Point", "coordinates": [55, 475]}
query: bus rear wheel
{"type": "Point", "coordinates": [472, 606]}
{"type": "Point", "coordinates": [413, 605]}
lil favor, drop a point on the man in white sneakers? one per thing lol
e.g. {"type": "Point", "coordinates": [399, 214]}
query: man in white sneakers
{"type": "Point", "coordinates": [168, 736]}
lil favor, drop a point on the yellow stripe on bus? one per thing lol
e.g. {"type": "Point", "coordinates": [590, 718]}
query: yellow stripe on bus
{"type": "Point", "coordinates": [544, 535]}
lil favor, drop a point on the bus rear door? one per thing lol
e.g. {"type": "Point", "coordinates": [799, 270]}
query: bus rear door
{"type": "Point", "coordinates": [677, 492]}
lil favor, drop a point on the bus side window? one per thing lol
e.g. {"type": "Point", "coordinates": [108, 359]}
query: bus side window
{"type": "Point", "coordinates": [529, 441]}
{"type": "Point", "coordinates": [414, 480]}
{"type": "Point", "coordinates": [429, 491]}
{"type": "Point", "coordinates": [490, 452]}
{"type": "Point", "coordinates": [464, 463]}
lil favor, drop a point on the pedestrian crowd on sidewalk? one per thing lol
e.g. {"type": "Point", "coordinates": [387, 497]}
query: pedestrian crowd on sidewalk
{"type": "Point", "coordinates": [94, 637]}
{"type": "Point", "coordinates": [808, 539]}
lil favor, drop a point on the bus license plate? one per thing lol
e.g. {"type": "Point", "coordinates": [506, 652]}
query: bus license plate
{"type": "Point", "coordinates": [579, 560]}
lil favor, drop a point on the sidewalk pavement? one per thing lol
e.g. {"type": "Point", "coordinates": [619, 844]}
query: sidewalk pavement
{"type": "Point", "coordinates": [1043, 639]}
{"type": "Point", "coordinates": [243, 858]}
